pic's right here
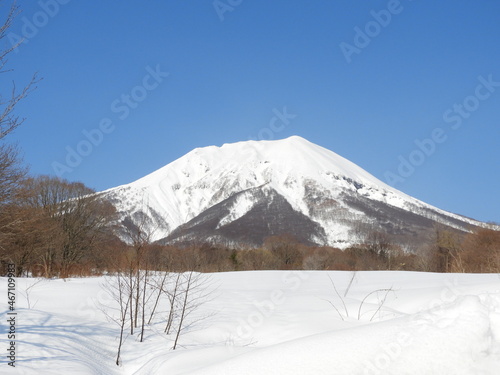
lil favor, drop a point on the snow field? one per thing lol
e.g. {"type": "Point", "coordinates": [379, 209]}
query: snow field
{"type": "Point", "coordinates": [272, 322]}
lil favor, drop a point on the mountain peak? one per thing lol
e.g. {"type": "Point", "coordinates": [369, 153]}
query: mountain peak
{"type": "Point", "coordinates": [294, 138]}
{"type": "Point", "coordinates": [273, 186]}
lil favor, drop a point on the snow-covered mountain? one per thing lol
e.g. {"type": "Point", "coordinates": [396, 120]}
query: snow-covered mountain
{"type": "Point", "coordinates": [243, 192]}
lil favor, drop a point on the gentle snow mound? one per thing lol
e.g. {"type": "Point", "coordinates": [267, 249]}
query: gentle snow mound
{"type": "Point", "coordinates": [453, 339]}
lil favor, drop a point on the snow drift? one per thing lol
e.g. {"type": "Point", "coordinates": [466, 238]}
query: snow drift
{"type": "Point", "coordinates": [274, 322]}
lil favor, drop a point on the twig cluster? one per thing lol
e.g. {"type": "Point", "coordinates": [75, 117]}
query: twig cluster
{"type": "Point", "coordinates": [342, 299]}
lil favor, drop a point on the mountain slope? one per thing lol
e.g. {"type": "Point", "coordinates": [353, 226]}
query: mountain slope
{"type": "Point", "coordinates": [246, 191]}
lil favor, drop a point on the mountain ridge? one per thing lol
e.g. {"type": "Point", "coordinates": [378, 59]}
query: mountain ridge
{"type": "Point", "coordinates": [337, 197]}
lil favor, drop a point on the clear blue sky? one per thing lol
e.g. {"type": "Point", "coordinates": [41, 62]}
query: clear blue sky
{"type": "Point", "coordinates": [232, 67]}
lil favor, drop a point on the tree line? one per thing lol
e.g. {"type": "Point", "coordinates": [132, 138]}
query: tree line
{"type": "Point", "coordinates": [65, 230]}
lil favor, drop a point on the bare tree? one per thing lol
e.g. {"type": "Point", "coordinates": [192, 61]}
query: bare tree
{"type": "Point", "coordinates": [118, 288]}
{"type": "Point", "coordinates": [184, 308]}
{"type": "Point", "coordinates": [159, 285]}
{"type": "Point", "coordinates": [286, 250]}
{"type": "Point", "coordinates": [481, 252]}
{"type": "Point", "coordinates": [197, 289]}
{"type": "Point", "coordinates": [173, 295]}
{"type": "Point", "coordinates": [8, 120]}
{"type": "Point", "coordinates": [139, 233]}
{"type": "Point", "coordinates": [447, 248]}
{"type": "Point", "coordinates": [12, 174]}
{"type": "Point", "coordinates": [75, 218]}
{"type": "Point", "coordinates": [146, 297]}
{"type": "Point", "coordinates": [11, 170]}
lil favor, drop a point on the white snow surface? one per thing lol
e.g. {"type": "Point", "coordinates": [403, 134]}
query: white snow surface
{"type": "Point", "coordinates": [271, 322]}
{"type": "Point", "coordinates": [206, 176]}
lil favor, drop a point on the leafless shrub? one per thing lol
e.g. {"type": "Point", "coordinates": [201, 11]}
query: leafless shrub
{"type": "Point", "coordinates": [341, 298]}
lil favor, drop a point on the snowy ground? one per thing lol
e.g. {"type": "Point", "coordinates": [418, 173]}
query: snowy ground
{"type": "Point", "coordinates": [271, 322]}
